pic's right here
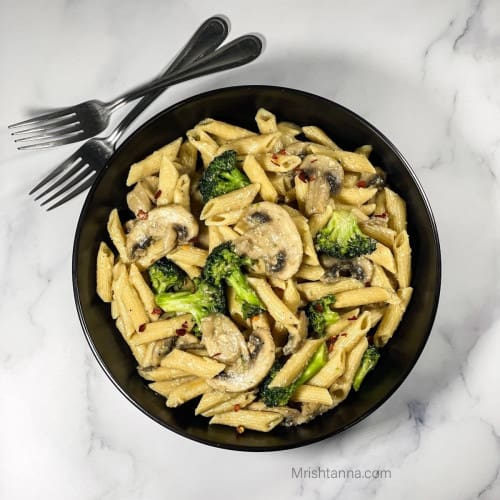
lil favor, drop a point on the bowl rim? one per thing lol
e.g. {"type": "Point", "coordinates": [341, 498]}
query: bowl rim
{"type": "Point", "coordinates": [300, 442]}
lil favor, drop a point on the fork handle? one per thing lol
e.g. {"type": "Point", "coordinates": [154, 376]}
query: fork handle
{"type": "Point", "coordinates": [240, 51]}
{"type": "Point", "coordinates": [205, 40]}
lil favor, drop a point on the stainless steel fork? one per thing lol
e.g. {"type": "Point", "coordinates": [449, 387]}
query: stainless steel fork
{"type": "Point", "coordinates": [81, 168]}
{"type": "Point", "coordinates": [84, 120]}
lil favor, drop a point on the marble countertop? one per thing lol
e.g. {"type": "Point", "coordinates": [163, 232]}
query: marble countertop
{"type": "Point", "coordinates": [426, 74]}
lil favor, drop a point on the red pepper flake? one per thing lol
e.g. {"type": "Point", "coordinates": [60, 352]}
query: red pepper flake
{"type": "Point", "coordinates": [343, 334]}
{"type": "Point", "coordinates": [318, 308]}
{"type": "Point", "coordinates": [368, 283]}
{"type": "Point", "coordinates": [185, 324]}
{"type": "Point", "coordinates": [180, 332]}
{"type": "Point", "coordinates": [283, 152]}
{"type": "Point", "coordinates": [361, 184]}
{"type": "Point", "coordinates": [142, 327]}
{"type": "Point", "coordinates": [141, 214]}
{"type": "Point", "coordinates": [382, 215]}
{"type": "Point", "coordinates": [274, 156]}
{"type": "Point", "coordinates": [330, 343]}
{"type": "Point", "coordinates": [303, 177]}
{"type": "Point", "coordinates": [352, 318]}
{"type": "Point", "coordinates": [315, 160]}
{"type": "Point", "coordinates": [156, 310]}
{"type": "Point", "coordinates": [237, 407]}
{"type": "Point", "coordinates": [157, 194]}
{"type": "Point", "coordinates": [240, 429]}
{"type": "Point", "coordinates": [194, 240]}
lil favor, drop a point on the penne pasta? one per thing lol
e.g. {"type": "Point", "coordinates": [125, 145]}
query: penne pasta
{"type": "Point", "coordinates": [104, 273]}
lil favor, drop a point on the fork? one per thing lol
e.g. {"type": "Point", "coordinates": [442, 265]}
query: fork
{"type": "Point", "coordinates": [93, 155]}
{"type": "Point", "coordinates": [84, 120]}
{"type": "Point", "coordinates": [80, 169]}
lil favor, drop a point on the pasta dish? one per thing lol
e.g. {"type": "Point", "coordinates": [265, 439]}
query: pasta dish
{"type": "Point", "coordinates": [258, 275]}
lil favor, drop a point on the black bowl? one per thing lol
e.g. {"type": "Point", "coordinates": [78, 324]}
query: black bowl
{"type": "Point", "coordinates": [238, 105]}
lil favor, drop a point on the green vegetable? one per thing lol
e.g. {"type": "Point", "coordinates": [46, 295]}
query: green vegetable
{"type": "Point", "coordinates": [368, 362]}
{"type": "Point", "coordinates": [342, 238]}
{"type": "Point", "coordinates": [166, 276]}
{"type": "Point", "coordinates": [224, 264]}
{"type": "Point", "coordinates": [208, 298]}
{"type": "Point", "coordinates": [320, 314]}
{"type": "Point", "coordinates": [279, 396]}
{"type": "Point", "coordinates": [222, 176]}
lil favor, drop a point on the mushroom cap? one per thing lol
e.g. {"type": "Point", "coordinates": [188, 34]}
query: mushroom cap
{"type": "Point", "coordinates": [325, 176]}
{"type": "Point", "coordinates": [270, 235]}
{"type": "Point", "coordinates": [359, 268]}
{"type": "Point", "coordinates": [245, 374]}
{"type": "Point", "coordinates": [158, 224]}
{"type": "Point", "coordinates": [222, 339]}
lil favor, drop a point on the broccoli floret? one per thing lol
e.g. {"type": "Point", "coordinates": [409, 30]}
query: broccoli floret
{"type": "Point", "coordinates": [166, 276]}
{"type": "Point", "coordinates": [208, 298]}
{"type": "Point", "coordinates": [342, 238]}
{"type": "Point", "coordinates": [222, 176]}
{"type": "Point", "coordinates": [368, 362]}
{"type": "Point", "coordinates": [224, 264]}
{"type": "Point", "coordinates": [279, 396]}
{"type": "Point", "coordinates": [321, 315]}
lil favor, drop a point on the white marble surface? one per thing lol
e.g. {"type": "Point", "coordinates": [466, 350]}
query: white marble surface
{"type": "Point", "coordinates": [426, 73]}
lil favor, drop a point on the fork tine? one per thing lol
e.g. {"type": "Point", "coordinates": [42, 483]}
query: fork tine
{"type": "Point", "coordinates": [51, 133]}
{"type": "Point", "coordinates": [82, 187]}
{"type": "Point", "coordinates": [80, 177]}
{"type": "Point", "coordinates": [60, 122]}
{"type": "Point", "coordinates": [72, 171]}
{"type": "Point", "coordinates": [67, 139]}
{"type": "Point", "coordinates": [55, 172]}
{"type": "Point", "coordinates": [38, 119]}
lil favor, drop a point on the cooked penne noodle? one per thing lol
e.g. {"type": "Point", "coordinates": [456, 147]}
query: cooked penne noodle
{"type": "Point", "coordinates": [210, 400]}
{"type": "Point", "coordinates": [181, 192]}
{"type": "Point", "coordinates": [396, 208]}
{"type": "Point", "coordinates": [275, 306]}
{"type": "Point", "coordinates": [117, 235]}
{"type": "Point", "coordinates": [316, 290]}
{"type": "Point", "coordinates": [380, 279]}
{"type": "Point", "coordinates": [104, 274]}
{"type": "Point", "coordinates": [310, 256]}
{"type": "Point", "coordinates": [223, 130]}
{"type": "Point", "coordinates": [266, 121]}
{"type": "Point", "coordinates": [165, 387]}
{"type": "Point", "coordinates": [263, 421]}
{"type": "Point", "coordinates": [251, 145]}
{"type": "Point", "coordinates": [315, 134]}
{"type": "Point", "coordinates": [159, 374]}
{"type": "Point", "coordinates": [151, 164]}
{"type": "Point", "coordinates": [391, 318]}
{"type": "Point", "coordinates": [363, 296]}
{"type": "Point", "coordinates": [278, 162]}
{"type": "Point", "coordinates": [310, 273]}
{"type": "Point", "coordinates": [205, 145]}
{"type": "Point", "coordinates": [381, 233]}
{"type": "Point", "coordinates": [189, 254]}
{"type": "Point", "coordinates": [356, 195]}
{"type": "Point", "coordinates": [383, 257]}
{"type": "Point", "coordinates": [319, 221]}
{"type": "Point", "coordinates": [257, 175]}
{"type": "Point", "coordinates": [233, 201]}
{"type": "Point", "coordinates": [312, 394]}
{"type": "Point", "coordinates": [145, 293]}
{"type": "Point", "coordinates": [402, 252]}
{"type": "Point", "coordinates": [185, 392]}
{"type": "Point", "coordinates": [190, 363]}
{"type": "Point", "coordinates": [235, 403]}
{"type": "Point", "coordinates": [296, 363]}
{"type": "Point", "coordinates": [167, 181]}
{"type": "Point", "coordinates": [225, 219]}
{"type": "Point", "coordinates": [162, 329]}
{"type": "Point", "coordinates": [187, 157]}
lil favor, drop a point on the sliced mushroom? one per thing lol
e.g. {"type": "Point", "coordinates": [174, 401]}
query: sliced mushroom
{"type": "Point", "coordinates": [270, 236]}
{"type": "Point", "coordinates": [223, 340]}
{"type": "Point", "coordinates": [159, 224]}
{"type": "Point", "coordinates": [141, 198]}
{"type": "Point", "coordinates": [359, 268]}
{"type": "Point", "coordinates": [253, 363]}
{"type": "Point", "coordinates": [325, 176]}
